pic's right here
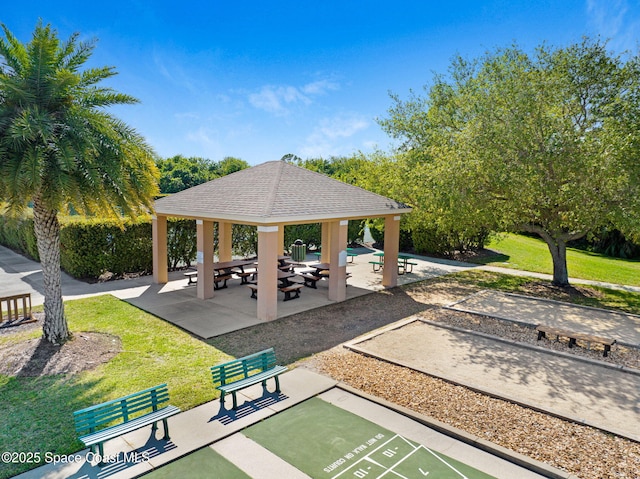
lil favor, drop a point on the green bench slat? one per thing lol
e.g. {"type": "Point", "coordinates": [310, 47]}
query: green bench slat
{"type": "Point", "coordinates": [99, 423]}
{"type": "Point", "coordinates": [246, 371]}
{"type": "Point", "coordinates": [103, 414]}
{"type": "Point", "coordinates": [124, 428]}
{"type": "Point", "coordinates": [251, 380]}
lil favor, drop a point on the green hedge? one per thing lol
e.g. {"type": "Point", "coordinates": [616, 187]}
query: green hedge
{"type": "Point", "coordinates": [90, 247]}
{"type": "Point", "coordinates": [18, 234]}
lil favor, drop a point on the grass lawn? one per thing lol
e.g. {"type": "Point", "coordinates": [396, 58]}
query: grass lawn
{"type": "Point", "coordinates": [593, 296]}
{"type": "Point", "coordinates": [37, 413]}
{"type": "Point", "coordinates": [531, 254]}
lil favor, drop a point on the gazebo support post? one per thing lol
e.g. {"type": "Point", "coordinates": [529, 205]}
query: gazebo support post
{"type": "Point", "coordinates": [281, 240]}
{"type": "Point", "coordinates": [325, 242]}
{"type": "Point", "coordinates": [225, 241]}
{"type": "Point", "coordinates": [338, 260]}
{"type": "Point", "coordinates": [391, 247]}
{"type": "Point", "coordinates": [268, 240]}
{"type": "Point", "coordinates": [160, 259]}
{"type": "Point", "coordinates": [204, 258]}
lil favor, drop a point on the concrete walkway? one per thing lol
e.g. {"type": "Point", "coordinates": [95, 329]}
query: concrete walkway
{"type": "Point", "coordinates": [230, 309]}
{"type": "Point", "coordinates": [623, 327]}
{"type": "Point", "coordinates": [140, 452]}
{"type": "Point", "coordinates": [585, 391]}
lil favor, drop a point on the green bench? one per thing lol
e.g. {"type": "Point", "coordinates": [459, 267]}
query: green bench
{"type": "Point", "coordinates": [241, 373]}
{"type": "Point", "coordinates": [99, 423]}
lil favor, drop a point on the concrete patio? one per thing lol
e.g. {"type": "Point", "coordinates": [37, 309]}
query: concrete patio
{"type": "Point", "coordinates": [228, 310]}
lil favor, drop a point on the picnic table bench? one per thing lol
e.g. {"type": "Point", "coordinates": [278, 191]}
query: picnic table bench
{"type": "Point", "coordinates": [543, 330]}
{"type": "Point", "coordinates": [405, 265]}
{"type": "Point", "coordinates": [232, 376]}
{"type": "Point", "coordinates": [293, 288]}
{"type": "Point", "coordinates": [99, 423]}
{"type": "Point", "coordinates": [192, 276]}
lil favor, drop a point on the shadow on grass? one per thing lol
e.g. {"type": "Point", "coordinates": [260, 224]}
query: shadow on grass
{"type": "Point", "coordinates": [488, 256]}
{"type": "Point", "coordinates": [25, 426]}
{"type": "Point", "coordinates": [303, 334]}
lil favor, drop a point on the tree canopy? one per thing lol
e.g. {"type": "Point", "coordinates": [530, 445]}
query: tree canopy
{"type": "Point", "coordinates": [179, 173]}
{"type": "Point", "coordinates": [59, 148]}
{"type": "Point", "coordinates": [544, 142]}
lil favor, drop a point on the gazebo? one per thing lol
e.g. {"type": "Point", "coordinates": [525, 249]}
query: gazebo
{"type": "Point", "coordinates": [270, 196]}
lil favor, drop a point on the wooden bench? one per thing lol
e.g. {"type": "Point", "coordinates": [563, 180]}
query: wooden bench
{"type": "Point", "coordinates": [97, 424]}
{"type": "Point", "coordinates": [543, 330]}
{"type": "Point", "coordinates": [12, 309]}
{"type": "Point", "coordinates": [291, 289]}
{"type": "Point", "coordinates": [193, 277]}
{"type": "Point", "coordinates": [241, 373]}
{"type": "Point", "coordinates": [244, 276]}
{"type": "Point", "coordinates": [220, 278]}
{"type": "Point", "coordinates": [287, 290]}
{"type": "Point", "coordinates": [310, 280]}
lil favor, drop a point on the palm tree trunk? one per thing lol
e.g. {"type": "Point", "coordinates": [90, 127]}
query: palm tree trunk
{"type": "Point", "coordinates": [47, 230]}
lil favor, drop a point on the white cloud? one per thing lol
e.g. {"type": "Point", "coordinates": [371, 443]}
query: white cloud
{"type": "Point", "coordinates": [280, 99]}
{"type": "Point", "coordinates": [610, 19]}
{"type": "Point", "coordinates": [320, 87]}
{"type": "Point", "coordinates": [328, 137]}
{"type": "Point", "coordinates": [203, 136]}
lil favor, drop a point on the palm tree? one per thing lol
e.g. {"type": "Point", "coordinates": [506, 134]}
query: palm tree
{"type": "Point", "coordinates": [60, 149]}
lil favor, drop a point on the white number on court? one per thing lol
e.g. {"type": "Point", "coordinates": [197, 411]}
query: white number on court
{"type": "Point", "coordinates": [389, 452]}
{"type": "Point", "coordinates": [360, 473]}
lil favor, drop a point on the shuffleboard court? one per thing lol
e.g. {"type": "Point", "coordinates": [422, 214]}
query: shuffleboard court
{"type": "Point", "coordinates": [203, 464]}
{"type": "Point", "coordinates": [327, 442]}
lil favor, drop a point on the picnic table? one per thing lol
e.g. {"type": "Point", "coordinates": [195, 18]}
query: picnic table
{"type": "Point", "coordinates": [223, 270]}
{"type": "Point", "coordinates": [320, 269]}
{"type": "Point", "coordinates": [405, 265]}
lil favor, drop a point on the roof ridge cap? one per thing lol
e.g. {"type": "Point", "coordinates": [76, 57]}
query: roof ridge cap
{"type": "Point", "coordinates": [273, 194]}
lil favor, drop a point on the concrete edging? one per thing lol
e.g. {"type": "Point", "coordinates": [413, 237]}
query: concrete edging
{"type": "Point", "coordinates": [353, 345]}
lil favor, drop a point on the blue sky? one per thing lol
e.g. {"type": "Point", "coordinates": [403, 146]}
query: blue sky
{"type": "Point", "coordinates": [259, 79]}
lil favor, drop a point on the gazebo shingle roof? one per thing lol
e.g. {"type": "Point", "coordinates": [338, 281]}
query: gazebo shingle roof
{"type": "Point", "coordinates": [277, 192]}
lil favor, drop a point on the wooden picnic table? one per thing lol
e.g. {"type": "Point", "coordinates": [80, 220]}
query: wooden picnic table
{"type": "Point", "coordinates": [321, 269]}
{"type": "Point", "coordinates": [223, 270]}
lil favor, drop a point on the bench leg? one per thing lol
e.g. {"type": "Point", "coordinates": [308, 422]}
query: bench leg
{"type": "Point", "coordinates": [572, 342]}
{"type": "Point", "coordinates": [607, 348]}
{"type": "Point", "coordinates": [277, 381]}
{"type": "Point", "coordinates": [541, 334]}
{"type": "Point", "coordinates": [100, 453]}
{"type": "Point", "coordinates": [254, 293]}
{"type": "Point", "coordinates": [166, 429]}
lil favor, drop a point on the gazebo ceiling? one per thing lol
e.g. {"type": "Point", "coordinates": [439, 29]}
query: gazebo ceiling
{"type": "Point", "coordinates": [277, 192]}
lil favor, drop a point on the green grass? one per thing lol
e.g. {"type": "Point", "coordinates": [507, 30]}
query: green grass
{"type": "Point", "coordinates": [593, 296]}
{"type": "Point", "coordinates": [531, 254]}
{"type": "Point", "coordinates": [37, 413]}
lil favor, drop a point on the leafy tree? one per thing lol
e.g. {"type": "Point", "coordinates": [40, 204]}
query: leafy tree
{"type": "Point", "coordinates": [229, 165]}
{"type": "Point", "coordinates": [59, 148]}
{"type": "Point", "coordinates": [545, 143]}
{"type": "Point", "coordinates": [179, 173]}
